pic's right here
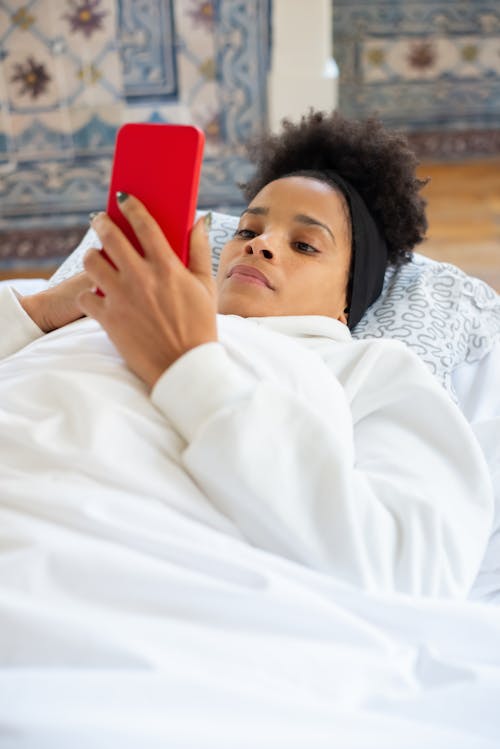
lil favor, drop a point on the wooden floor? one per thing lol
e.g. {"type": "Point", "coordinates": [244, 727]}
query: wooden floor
{"type": "Point", "coordinates": [464, 216]}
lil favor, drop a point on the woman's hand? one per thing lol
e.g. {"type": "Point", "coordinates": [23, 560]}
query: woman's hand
{"type": "Point", "coordinates": [54, 307]}
{"type": "Point", "coordinates": [154, 309]}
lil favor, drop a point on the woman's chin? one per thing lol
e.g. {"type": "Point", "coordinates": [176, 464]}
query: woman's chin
{"type": "Point", "coordinates": [238, 304]}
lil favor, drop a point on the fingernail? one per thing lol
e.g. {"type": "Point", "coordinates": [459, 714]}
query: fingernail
{"type": "Point", "coordinates": [208, 221]}
{"type": "Point", "coordinates": [93, 215]}
{"type": "Point", "coordinates": [121, 196]}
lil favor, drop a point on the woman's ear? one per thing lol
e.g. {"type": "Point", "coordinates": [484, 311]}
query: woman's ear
{"type": "Point", "coordinates": [344, 316]}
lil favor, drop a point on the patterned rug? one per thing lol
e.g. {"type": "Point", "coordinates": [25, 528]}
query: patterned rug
{"type": "Point", "coordinates": [428, 67]}
{"type": "Point", "coordinates": [72, 71]}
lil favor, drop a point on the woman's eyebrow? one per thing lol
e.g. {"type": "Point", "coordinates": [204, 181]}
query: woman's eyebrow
{"type": "Point", "coordinates": [256, 211]}
{"type": "Point", "coordinates": [303, 219]}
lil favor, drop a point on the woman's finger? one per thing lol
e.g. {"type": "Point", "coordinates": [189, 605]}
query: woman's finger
{"type": "Point", "coordinates": [91, 304]}
{"type": "Point", "coordinates": [100, 271]}
{"type": "Point", "coordinates": [200, 253]}
{"type": "Point", "coordinates": [118, 248]}
{"type": "Point", "coordinates": [151, 238]}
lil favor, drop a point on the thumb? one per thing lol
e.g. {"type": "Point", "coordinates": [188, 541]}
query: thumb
{"type": "Point", "coordinates": [200, 252]}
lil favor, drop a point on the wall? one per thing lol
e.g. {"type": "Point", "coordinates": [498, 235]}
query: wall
{"type": "Point", "coordinates": [303, 72]}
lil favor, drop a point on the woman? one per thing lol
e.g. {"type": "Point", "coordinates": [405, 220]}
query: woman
{"type": "Point", "coordinates": [343, 456]}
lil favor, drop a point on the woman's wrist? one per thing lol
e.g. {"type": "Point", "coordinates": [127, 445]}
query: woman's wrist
{"type": "Point", "coordinates": [31, 305]}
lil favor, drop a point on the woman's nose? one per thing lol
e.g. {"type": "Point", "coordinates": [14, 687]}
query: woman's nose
{"type": "Point", "coordinates": [259, 246]}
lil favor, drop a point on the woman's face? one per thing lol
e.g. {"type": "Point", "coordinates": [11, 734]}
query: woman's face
{"type": "Point", "coordinates": [296, 232]}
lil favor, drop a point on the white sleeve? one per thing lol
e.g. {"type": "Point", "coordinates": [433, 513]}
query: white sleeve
{"type": "Point", "coordinates": [392, 497]}
{"type": "Point", "coordinates": [18, 329]}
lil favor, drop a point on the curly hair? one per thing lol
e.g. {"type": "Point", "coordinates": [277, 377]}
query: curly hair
{"type": "Point", "coordinates": [377, 162]}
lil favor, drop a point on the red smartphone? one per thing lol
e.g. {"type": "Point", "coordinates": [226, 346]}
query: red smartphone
{"type": "Point", "coordinates": [160, 165]}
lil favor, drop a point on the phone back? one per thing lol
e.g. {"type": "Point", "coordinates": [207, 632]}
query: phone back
{"type": "Point", "coordinates": [160, 165]}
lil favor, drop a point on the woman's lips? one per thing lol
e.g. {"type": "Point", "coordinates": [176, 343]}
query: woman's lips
{"type": "Point", "coordinates": [250, 274]}
{"type": "Point", "coordinates": [248, 279]}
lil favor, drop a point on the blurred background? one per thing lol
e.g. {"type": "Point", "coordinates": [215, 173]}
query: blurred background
{"type": "Point", "coordinates": [72, 71]}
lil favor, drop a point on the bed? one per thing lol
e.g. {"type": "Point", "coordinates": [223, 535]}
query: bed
{"type": "Point", "coordinates": [118, 629]}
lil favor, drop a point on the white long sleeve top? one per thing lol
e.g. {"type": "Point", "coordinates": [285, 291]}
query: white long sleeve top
{"type": "Point", "coordinates": [344, 456]}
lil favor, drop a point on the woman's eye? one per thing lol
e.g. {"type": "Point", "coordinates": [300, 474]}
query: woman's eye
{"type": "Point", "coordinates": [245, 233]}
{"type": "Point", "coordinates": [304, 247]}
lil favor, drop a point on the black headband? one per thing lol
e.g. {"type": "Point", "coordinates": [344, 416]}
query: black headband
{"type": "Point", "coordinates": [369, 248]}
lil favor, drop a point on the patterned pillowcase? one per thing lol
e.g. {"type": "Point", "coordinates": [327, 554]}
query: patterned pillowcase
{"type": "Point", "coordinates": [444, 315]}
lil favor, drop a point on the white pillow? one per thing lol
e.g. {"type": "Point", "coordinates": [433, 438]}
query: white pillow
{"type": "Point", "coordinates": [478, 394]}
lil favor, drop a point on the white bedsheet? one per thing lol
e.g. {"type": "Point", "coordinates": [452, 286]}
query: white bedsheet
{"type": "Point", "coordinates": [284, 658]}
{"type": "Point", "coordinates": [126, 623]}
